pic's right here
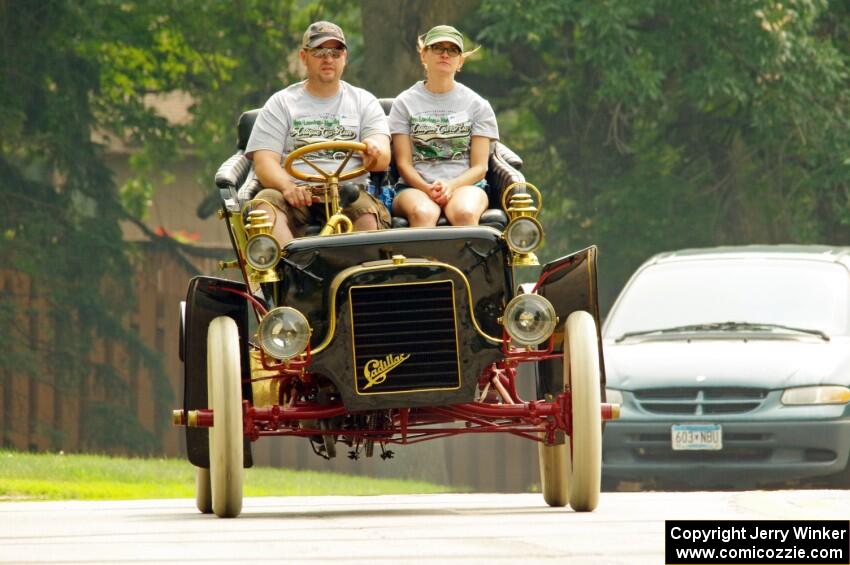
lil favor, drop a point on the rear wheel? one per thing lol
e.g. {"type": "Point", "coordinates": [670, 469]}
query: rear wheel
{"type": "Point", "coordinates": [554, 473]}
{"type": "Point", "coordinates": [224, 388]}
{"type": "Point", "coordinates": [585, 463]}
{"type": "Point", "coordinates": [203, 494]}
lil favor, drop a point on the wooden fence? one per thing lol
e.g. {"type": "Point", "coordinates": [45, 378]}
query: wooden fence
{"type": "Point", "coordinates": [38, 416]}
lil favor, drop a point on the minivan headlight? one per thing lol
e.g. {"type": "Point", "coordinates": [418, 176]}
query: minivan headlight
{"type": "Point", "coordinates": [809, 395]}
{"type": "Point", "coordinates": [284, 333]}
{"type": "Point", "coordinates": [529, 319]}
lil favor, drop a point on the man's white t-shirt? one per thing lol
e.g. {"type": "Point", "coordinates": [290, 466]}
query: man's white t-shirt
{"type": "Point", "coordinates": [441, 127]}
{"type": "Point", "coordinates": [293, 117]}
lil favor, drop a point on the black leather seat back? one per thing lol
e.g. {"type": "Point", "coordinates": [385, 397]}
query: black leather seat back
{"type": "Point", "coordinates": [244, 127]}
{"type": "Point", "coordinates": [386, 104]}
{"type": "Point", "coordinates": [232, 174]}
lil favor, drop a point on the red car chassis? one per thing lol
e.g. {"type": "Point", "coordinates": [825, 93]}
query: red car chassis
{"type": "Point", "coordinates": [499, 409]}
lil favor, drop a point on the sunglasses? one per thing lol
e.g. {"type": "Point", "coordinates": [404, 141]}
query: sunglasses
{"type": "Point", "coordinates": [322, 52]}
{"type": "Point", "coordinates": [452, 50]}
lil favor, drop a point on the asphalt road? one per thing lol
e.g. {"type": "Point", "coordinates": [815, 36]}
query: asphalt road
{"type": "Point", "coordinates": [627, 528]}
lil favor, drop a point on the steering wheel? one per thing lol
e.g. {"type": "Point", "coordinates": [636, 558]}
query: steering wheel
{"type": "Point", "coordinates": [324, 176]}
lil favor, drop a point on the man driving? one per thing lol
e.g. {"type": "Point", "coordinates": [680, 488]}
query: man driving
{"type": "Point", "coordinates": [320, 108]}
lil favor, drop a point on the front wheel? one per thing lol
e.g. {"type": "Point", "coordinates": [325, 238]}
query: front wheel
{"type": "Point", "coordinates": [224, 389]}
{"type": "Point", "coordinates": [582, 372]}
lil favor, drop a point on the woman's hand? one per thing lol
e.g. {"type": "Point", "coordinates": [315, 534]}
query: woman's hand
{"type": "Point", "coordinates": [441, 192]}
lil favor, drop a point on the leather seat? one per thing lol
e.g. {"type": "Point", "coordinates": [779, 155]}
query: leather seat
{"type": "Point", "coordinates": [503, 169]}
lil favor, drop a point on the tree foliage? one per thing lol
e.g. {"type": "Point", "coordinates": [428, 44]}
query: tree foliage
{"type": "Point", "coordinates": [649, 125]}
{"type": "Point", "coordinates": [71, 73]}
{"type": "Point", "coordinates": [659, 124]}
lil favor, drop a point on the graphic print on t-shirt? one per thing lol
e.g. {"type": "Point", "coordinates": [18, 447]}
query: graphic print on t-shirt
{"type": "Point", "coordinates": [440, 135]}
{"type": "Point", "coordinates": [316, 128]}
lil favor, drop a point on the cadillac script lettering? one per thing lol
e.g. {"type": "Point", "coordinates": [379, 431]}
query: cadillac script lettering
{"type": "Point", "coordinates": [376, 370]}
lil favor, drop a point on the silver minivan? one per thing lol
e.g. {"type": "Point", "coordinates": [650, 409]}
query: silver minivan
{"type": "Point", "coordinates": [732, 366]}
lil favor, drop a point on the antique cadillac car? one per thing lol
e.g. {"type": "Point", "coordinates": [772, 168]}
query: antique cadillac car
{"type": "Point", "coordinates": [391, 337]}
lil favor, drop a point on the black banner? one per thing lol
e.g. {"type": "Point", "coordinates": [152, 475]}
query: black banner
{"type": "Point", "coordinates": [758, 542]}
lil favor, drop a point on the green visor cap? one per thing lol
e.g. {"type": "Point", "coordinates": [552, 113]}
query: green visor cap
{"type": "Point", "coordinates": [443, 33]}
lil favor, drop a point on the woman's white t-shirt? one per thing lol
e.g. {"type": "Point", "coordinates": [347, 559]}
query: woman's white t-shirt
{"type": "Point", "coordinates": [441, 127]}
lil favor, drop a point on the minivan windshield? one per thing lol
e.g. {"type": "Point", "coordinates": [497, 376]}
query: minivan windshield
{"type": "Point", "coordinates": [794, 293]}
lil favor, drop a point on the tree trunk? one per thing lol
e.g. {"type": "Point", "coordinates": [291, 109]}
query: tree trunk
{"type": "Point", "coordinates": [389, 38]}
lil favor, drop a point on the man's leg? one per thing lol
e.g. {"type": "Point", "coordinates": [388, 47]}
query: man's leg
{"type": "Point", "coordinates": [283, 216]}
{"type": "Point", "coordinates": [366, 222]}
{"type": "Point", "coordinates": [367, 213]}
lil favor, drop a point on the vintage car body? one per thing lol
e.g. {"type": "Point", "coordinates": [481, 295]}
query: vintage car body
{"type": "Point", "coordinates": [414, 334]}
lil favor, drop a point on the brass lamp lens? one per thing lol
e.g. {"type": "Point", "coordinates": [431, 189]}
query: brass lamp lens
{"type": "Point", "coordinates": [529, 319]}
{"type": "Point", "coordinates": [284, 333]}
{"type": "Point", "coordinates": [262, 252]}
{"type": "Point", "coordinates": [524, 235]}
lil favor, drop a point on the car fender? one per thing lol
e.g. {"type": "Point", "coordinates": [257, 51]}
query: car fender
{"type": "Point", "coordinates": [205, 301]}
{"type": "Point", "coordinates": [570, 284]}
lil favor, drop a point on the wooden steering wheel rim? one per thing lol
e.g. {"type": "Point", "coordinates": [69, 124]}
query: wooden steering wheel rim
{"type": "Point", "coordinates": [322, 146]}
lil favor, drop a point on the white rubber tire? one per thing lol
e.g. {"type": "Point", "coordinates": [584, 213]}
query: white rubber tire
{"type": "Point", "coordinates": [224, 388]}
{"type": "Point", "coordinates": [203, 492]}
{"type": "Point", "coordinates": [582, 372]}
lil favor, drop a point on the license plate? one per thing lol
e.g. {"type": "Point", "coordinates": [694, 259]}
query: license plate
{"type": "Point", "coordinates": [696, 437]}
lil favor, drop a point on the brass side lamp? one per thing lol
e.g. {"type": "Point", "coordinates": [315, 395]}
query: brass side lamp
{"type": "Point", "coordinates": [524, 233]}
{"type": "Point", "coordinates": [262, 251]}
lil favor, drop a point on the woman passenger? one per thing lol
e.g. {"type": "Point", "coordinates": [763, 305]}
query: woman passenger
{"type": "Point", "coordinates": [441, 138]}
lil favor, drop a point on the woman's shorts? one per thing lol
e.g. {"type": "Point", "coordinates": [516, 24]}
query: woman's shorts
{"type": "Point", "coordinates": [482, 184]}
{"type": "Point", "coordinates": [300, 217]}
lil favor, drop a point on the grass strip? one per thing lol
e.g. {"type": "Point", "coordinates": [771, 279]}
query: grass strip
{"type": "Point", "coordinates": [31, 476]}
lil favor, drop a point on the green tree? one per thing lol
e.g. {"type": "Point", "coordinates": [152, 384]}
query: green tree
{"type": "Point", "coordinates": [659, 124]}
{"type": "Point", "coordinates": [389, 32]}
{"type": "Point", "coordinates": [71, 69]}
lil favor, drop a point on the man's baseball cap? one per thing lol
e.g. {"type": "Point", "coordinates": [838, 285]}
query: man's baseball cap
{"type": "Point", "coordinates": [443, 33]}
{"type": "Point", "coordinates": [319, 32]}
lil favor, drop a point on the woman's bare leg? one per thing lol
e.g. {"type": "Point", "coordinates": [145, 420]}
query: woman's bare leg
{"type": "Point", "coordinates": [417, 207]}
{"type": "Point", "coordinates": [466, 206]}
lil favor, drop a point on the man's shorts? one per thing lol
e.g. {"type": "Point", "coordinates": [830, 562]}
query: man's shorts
{"type": "Point", "coordinates": [300, 218]}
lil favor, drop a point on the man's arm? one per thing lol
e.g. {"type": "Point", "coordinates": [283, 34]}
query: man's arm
{"type": "Point", "coordinates": [271, 174]}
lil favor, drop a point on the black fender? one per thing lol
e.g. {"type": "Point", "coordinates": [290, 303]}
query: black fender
{"type": "Point", "coordinates": [569, 283]}
{"type": "Point", "coordinates": [205, 301]}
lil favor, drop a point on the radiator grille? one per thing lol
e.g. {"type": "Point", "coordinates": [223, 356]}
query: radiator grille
{"type": "Point", "coordinates": [700, 401]}
{"type": "Point", "coordinates": [405, 337]}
